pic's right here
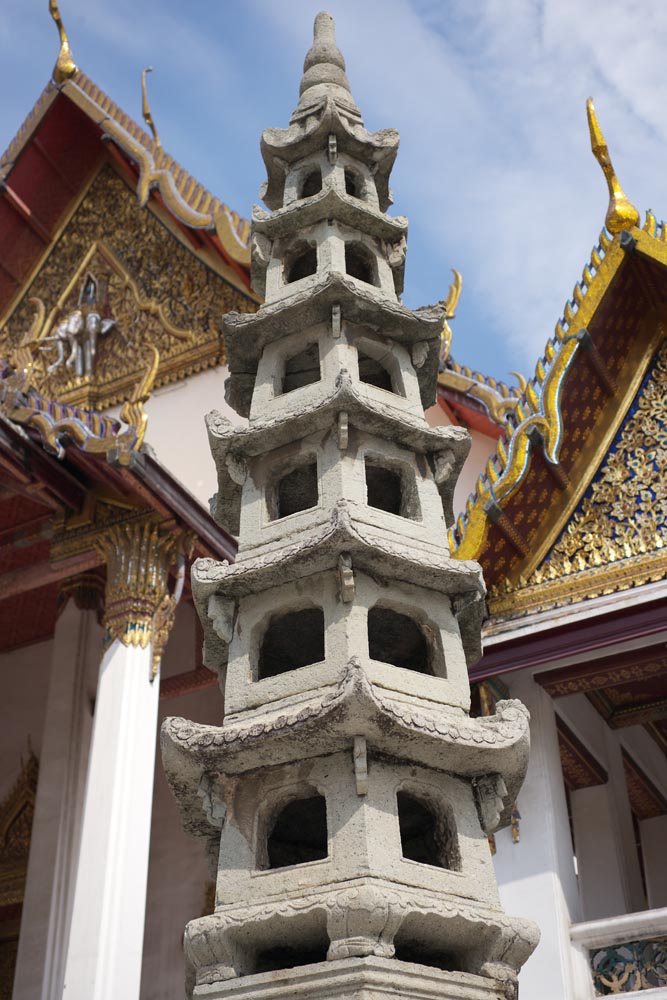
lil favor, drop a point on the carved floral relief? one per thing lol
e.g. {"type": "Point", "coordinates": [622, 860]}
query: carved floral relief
{"type": "Point", "coordinates": [119, 263]}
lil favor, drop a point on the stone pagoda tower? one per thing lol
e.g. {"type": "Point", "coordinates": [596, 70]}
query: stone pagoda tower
{"type": "Point", "coordinates": [347, 798]}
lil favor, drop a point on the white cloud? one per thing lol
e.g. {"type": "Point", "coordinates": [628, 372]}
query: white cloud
{"type": "Point", "coordinates": [495, 170]}
{"type": "Point", "coordinates": [495, 159]}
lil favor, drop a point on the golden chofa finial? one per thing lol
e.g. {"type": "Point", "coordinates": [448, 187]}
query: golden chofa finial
{"type": "Point", "coordinates": [145, 107]}
{"type": "Point", "coordinates": [451, 302]}
{"type": "Point", "coordinates": [621, 213]}
{"type": "Point", "coordinates": [65, 66]}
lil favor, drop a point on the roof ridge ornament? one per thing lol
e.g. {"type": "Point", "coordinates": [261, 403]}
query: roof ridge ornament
{"type": "Point", "coordinates": [621, 213]}
{"type": "Point", "coordinates": [324, 67]}
{"type": "Point", "coordinates": [146, 109]}
{"type": "Point", "coordinates": [65, 66]}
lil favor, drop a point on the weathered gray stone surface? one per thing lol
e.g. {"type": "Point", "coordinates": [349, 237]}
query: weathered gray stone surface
{"type": "Point", "coordinates": [346, 800]}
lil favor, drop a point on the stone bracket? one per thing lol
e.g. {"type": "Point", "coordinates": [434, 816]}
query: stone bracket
{"type": "Point", "coordinates": [336, 320]}
{"type": "Point", "coordinates": [360, 759]}
{"type": "Point", "coordinates": [346, 578]}
{"type": "Point", "coordinates": [490, 795]}
{"type": "Point", "coordinates": [343, 430]}
{"type": "Point", "coordinates": [419, 353]}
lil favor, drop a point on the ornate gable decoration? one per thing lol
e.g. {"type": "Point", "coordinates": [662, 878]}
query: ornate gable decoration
{"type": "Point", "coordinates": [117, 285]}
{"type": "Point", "coordinates": [617, 537]}
{"type": "Point", "coordinates": [16, 815]}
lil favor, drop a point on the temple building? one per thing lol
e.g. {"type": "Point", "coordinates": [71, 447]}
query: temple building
{"type": "Point", "coordinates": [116, 270]}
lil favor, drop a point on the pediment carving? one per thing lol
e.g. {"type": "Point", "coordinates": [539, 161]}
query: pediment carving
{"type": "Point", "coordinates": [116, 284]}
{"type": "Point", "coordinates": [617, 537]}
{"type": "Point", "coordinates": [16, 816]}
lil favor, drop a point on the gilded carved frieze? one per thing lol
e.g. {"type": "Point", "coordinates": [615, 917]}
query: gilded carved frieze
{"type": "Point", "coordinates": [617, 538]}
{"type": "Point", "coordinates": [16, 814]}
{"type": "Point", "coordinates": [120, 263]}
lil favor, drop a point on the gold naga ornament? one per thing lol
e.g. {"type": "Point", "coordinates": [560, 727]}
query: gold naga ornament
{"type": "Point", "coordinates": [621, 213]}
{"type": "Point", "coordinates": [451, 302]}
{"type": "Point", "coordinates": [145, 107]}
{"type": "Point", "coordinates": [21, 402]}
{"type": "Point", "coordinates": [65, 66]}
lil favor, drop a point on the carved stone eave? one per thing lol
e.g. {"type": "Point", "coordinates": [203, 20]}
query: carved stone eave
{"type": "Point", "coordinates": [310, 132]}
{"type": "Point", "coordinates": [328, 723]}
{"type": "Point", "coordinates": [328, 204]}
{"type": "Point", "coordinates": [319, 551]}
{"type": "Point", "coordinates": [246, 335]}
{"type": "Point", "coordinates": [363, 412]}
{"type": "Point", "coordinates": [374, 976]}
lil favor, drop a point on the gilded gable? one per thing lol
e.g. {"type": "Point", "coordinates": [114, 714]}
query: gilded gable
{"type": "Point", "coordinates": [617, 536]}
{"type": "Point", "coordinates": [120, 263]}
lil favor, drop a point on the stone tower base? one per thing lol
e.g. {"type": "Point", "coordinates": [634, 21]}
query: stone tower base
{"type": "Point", "coordinates": [355, 979]}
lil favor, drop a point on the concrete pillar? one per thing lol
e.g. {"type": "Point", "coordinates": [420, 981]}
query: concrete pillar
{"type": "Point", "coordinates": [106, 936]}
{"type": "Point", "coordinates": [106, 939]}
{"type": "Point", "coordinates": [536, 876]}
{"type": "Point", "coordinates": [599, 859]}
{"type": "Point", "coordinates": [653, 834]}
{"type": "Point", "coordinates": [54, 842]}
{"type": "Point", "coordinates": [623, 827]}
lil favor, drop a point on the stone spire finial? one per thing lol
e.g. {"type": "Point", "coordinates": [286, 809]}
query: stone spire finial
{"type": "Point", "coordinates": [324, 66]}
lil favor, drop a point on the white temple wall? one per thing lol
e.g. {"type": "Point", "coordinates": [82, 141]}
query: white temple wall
{"type": "Point", "coordinates": [653, 833]}
{"type": "Point", "coordinates": [536, 877]}
{"type": "Point", "coordinates": [54, 842]}
{"type": "Point", "coordinates": [177, 433]}
{"type": "Point", "coordinates": [177, 875]}
{"type": "Point", "coordinates": [609, 874]}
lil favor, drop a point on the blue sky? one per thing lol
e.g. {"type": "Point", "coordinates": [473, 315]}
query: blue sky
{"type": "Point", "coordinates": [494, 172]}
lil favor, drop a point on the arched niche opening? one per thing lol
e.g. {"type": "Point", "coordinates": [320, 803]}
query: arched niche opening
{"type": "Point", "coordinates": [392, 489]}
{"type": "Point", "coordinates": [397, 639]}
{"type": "Point", "coordinates": [373, 372]}
{"type": "Point", "coordinates": [311, 183]}
{"type": "Point", "coordinates": [292, 640]}
{"type": "Point", "coordinates": [293, 491]}
{"type": "Point", "coordinates": [354, 184]}
{"type": "Point", "coordinates": [302, 368]}
{"type": "Point", "coordinates": [298, 833]}
{"type": "Point", "coordinates": [300, 262]}
{"type": "Point", "coordinates": [360, 263]}
{"type": "Point", "coordinates": [427, 833]}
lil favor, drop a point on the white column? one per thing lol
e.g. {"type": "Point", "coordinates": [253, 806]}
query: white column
{"type": "Point", "coordinates": [623, 827]}
{"type": "Point", "coordinates": [107, 930]}
{"type": "Point", "coordinates": [106, 938]}
{"type": "Point", "coordinates": [654, 844]}
{"type": "Point", "coordinates": [54, 843]}
{"type": "Point", "coordinates": [599, 860]}
{"type": "Point", "coordinates": [536, 876]}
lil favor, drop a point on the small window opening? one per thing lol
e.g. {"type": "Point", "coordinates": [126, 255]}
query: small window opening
{"type": "Point", "coordinates": [292, 640]}
{"type": "Point", "coordinates": [374, 373]}
{"type": "Point", "coordinates": [384, 488]}
{"type": "Point", "coordinates": [296, 491]}
{"type": "Point", "coordinates": [303, 263]}
{"type": "Point", "coordinates": [397, 639]}
{"type": "Point", "coordinates": [359, 263]}
{"type": "Point", "coordinates": [299, 833]}
{"type": "Point", "coordinates": [312, 183]}
{"type": "Point", "coordinates": [426, 837]}
{"type": "Point", "coordinates": [302, 369]}
{"type": "Point", "coordinates": [353, 184]}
